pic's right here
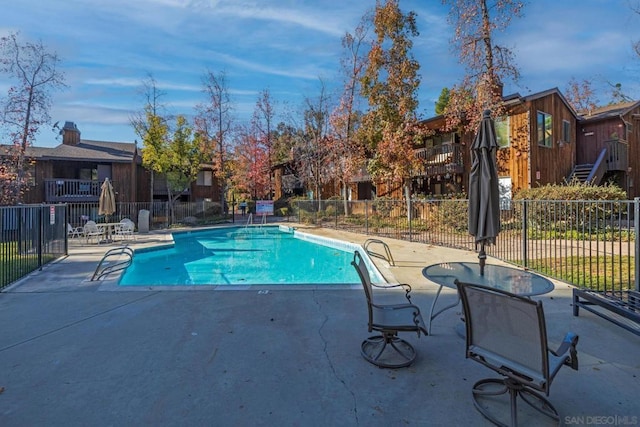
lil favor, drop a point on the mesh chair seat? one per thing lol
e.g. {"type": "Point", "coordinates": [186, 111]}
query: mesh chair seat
{"type": "Point", "coordinates": [387, 350]}
{"type": "Point", "coordinates": [507, 333]}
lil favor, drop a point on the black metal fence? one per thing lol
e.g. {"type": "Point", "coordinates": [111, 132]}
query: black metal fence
{"type": "Point", "coordinates": [32, 235]}
{"type": "Point", "coordinates": [590, 244]}
{"type": "Point", "coordinates": [161, 215]}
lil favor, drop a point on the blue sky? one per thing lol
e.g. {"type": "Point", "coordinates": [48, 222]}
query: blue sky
{"type": "Point", "coordinates": [108, 47]}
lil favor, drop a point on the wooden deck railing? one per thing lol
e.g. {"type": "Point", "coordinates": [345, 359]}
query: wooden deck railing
{"type": "Point", "coordinates": [440, 160]}
{"type": "Point", "coordinates": [71, 190]}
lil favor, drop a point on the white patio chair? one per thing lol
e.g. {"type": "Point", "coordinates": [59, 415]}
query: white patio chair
{"type": "Point", "coordinates": [74, 231]}
{"type": "Point", "coordinates": [91, 231]}
{"type": "Point", "coordinates": [125, 229]}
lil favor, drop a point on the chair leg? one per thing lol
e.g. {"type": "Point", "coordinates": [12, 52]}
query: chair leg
{"type": "Point", "coordinates": [496, 387]}
{"type": "Point", "coordinates": [388, 351]}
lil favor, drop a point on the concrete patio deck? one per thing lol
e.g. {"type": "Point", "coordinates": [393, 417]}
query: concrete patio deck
{"type": "Point", "coordinates": [74, 354]}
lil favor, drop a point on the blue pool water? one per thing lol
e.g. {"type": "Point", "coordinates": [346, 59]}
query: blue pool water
{"type": "Point", "coordinates": [241, 256]}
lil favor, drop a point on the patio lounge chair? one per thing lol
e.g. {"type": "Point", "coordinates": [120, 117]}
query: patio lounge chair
{"type": "Point", "coordinates": [91, 230]}
{"type": "Point", "coordinates": [507, 333]}
{"type": "Point", "coordinates": [387, 350]}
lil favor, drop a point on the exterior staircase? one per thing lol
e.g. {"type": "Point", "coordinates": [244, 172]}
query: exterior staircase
{"type": "Point", "coordinates": [590, 173]}
{"type": "Point", "coordinates": [580, 173]}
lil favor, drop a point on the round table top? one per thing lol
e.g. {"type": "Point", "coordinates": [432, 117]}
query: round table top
{"type": "Point", "coordinates": [510, 279]}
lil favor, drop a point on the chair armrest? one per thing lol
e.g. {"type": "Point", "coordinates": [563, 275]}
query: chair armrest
{"type": "Point", "coordinates": [568, 348]}
{"type": "Point", "coordinates": [406, 287]}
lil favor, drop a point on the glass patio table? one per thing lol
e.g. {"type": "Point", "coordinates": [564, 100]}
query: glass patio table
{"type": "Point", "coordinates": [510, 279]}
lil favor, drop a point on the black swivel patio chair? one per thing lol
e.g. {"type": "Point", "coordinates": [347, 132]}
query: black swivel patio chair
{"type": "Point", "coordinates": [507, 333]}
{"type": "Point", "coordinates": [387, 350]}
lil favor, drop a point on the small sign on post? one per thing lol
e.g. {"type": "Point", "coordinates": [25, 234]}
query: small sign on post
{"type": "Point", "coordinates": [264, 207]}
{"type": "Point", "coordinates": [52, 215]}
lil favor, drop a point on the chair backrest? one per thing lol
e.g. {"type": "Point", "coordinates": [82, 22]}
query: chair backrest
{"type": "Point", "coordinates": [91, 226]}
{"type": "Point", "coordinates": [507, 333]}
{"type": "Point", "coordinates": [361, 269]}
{"type": "Point", "coordinates": [126, 225]}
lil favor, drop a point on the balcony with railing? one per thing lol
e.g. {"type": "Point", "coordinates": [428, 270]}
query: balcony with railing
{"type": "Point", "coordinates": [617, 155]}
{"type": "Point", "coordinates": [440, 160]}
{"type": "Point", "coordinates": [71, 190]}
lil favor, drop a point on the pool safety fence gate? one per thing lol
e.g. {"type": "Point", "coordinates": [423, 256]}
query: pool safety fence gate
{"type": "Point", "coordinates": [591, 244]}
{"type": "Point", "coordinates": [32, 235]}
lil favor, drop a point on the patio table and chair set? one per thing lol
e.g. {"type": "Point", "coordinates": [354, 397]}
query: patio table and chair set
{"type": "Point", "coordinates": [504, 328]}
{"type": "Point", "coordinates": [103, 232]}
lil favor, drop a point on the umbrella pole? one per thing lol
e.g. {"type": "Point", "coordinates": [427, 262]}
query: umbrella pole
{"type": "Point", "coordinates": [482, 256]}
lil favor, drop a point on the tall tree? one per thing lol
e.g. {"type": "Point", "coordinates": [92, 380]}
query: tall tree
{"type": "Point", "coordinates": [345, 152]}
{"type": "Point", "coordinates": [488, 64]}
{"type": "Point", "coordinates": [636, 43]}
{"type": "Point", "coordinates": [251, 175]}
{"type": "Point", "coordinates": [182, 158]}
{"type": "Point", "coordinates": [35, 75]}
{"type": "Point", "coordinates": [262, 121]}
{"type": "Point", "coordinates": [581, 96]}
{"type": "Point", "coordinates": [443, 101]}
{"type": "Point", "coordinates": [144, 121]}
{"type": "Point", "coordinates": [214, 123]}
{"type": "Point", "coordinates": [310, 152]}
{"type": "Point", "coordinates": [390, 84]}
{"type": "Point", "coordinates": [178, 157]}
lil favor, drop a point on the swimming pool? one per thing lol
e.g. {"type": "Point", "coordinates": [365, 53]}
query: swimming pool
{"type": "Point", "coordinates": [267, 255]}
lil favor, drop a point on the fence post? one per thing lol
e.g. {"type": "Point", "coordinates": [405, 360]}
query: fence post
{"type": "Point", "coordinates": [525, 255]}
{"type": "Point", "coordinates": [636, 230]}
{"type": "Point", "coordinates": [65, 222]}
{"type": "Point", "coordinates": [40, 231]}
{"type": "Point", "coordinates": [410, 219]}
{"type": "Point", "coordinates": [366, 217]}
{"type": "Point", "coordinates": [166, 214]}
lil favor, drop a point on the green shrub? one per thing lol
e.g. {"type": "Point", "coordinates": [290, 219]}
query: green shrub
{"type": "Point", "coordinates": [574, 191]}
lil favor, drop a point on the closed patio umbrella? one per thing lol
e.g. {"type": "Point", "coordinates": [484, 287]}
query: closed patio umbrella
{"type": "Point", "coordinates": [484, 195]}
{"type": "Point", "coordinates": [107, 202]}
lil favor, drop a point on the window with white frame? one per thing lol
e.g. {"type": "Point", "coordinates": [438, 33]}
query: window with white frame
{"type": "Point", "coordinates": [545, 129]}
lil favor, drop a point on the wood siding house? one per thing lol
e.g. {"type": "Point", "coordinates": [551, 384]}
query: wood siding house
{"type": "Point", "coordinates": [609, 146]}
{"type": "Point", "coordinates": [74, 171]}
{"type": "Point", "coordinates": [542, 139]}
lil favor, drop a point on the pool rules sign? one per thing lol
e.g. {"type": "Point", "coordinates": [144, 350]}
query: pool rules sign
{"type": "Point", "coordinates": [264, 207]}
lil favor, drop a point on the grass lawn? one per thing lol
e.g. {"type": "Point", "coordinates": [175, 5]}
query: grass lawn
{"type": "Point", "coordinates": [612, 272]}
{"type": "Point", "coordinates": [15, 264]}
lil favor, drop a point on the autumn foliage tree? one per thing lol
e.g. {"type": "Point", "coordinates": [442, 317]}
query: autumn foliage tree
{"type": "Point", "coordinates": [35, 74]}
{"type": "Point", "coordinates": [345, 153]}
{"type": "Point", "coordinates": [262, 122]}
{"type": "Point", "coordinates": [390, 84]}
{"type": "Point", "coordinates": [213, 123]}
{"type": "Point", "coordinates": [251, 166]}
{"type": "Point", "coordinates": [580, 96]}
{"type": "Point", "coordinates": [487, 64]}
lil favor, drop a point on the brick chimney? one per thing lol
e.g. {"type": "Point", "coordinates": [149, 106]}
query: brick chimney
{"type": "Point", "coordinates": [70, 134]}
